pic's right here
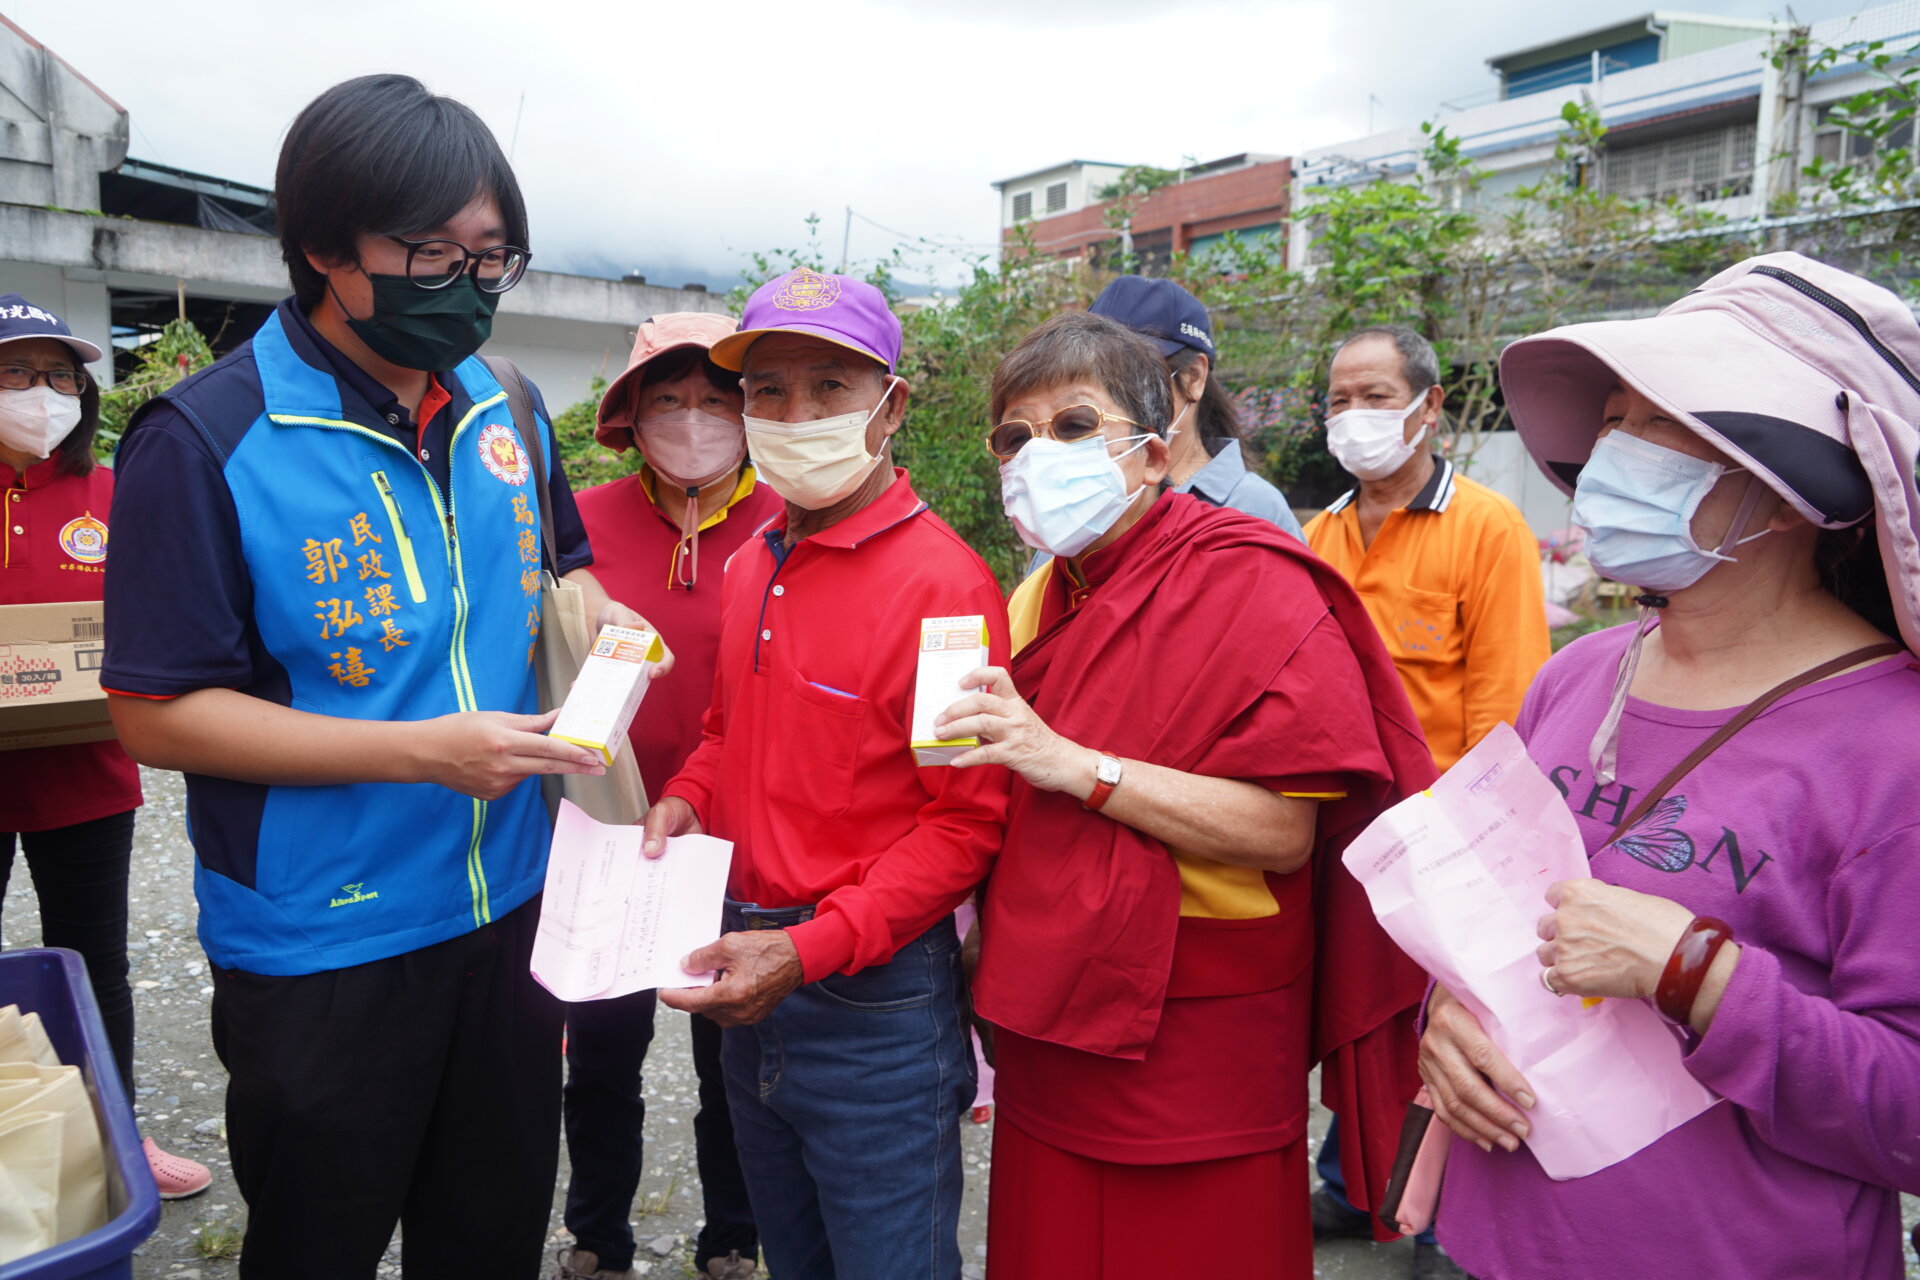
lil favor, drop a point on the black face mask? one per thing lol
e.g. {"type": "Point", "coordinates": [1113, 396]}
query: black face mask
{"type": "Point", "coordinates": [428, 329]}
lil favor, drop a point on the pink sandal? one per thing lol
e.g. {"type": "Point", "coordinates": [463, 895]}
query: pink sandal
{"type": "Point", "coordinates": [176, 1176]}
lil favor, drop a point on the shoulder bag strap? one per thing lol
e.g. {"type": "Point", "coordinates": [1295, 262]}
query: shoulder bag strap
{"type": "Point", "coordinates": [520, 402]}
{"type": "Point", "coordinates": [1746, 717]}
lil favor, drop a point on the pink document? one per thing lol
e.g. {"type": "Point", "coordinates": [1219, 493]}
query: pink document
{"type": "Point", "coordinates": [1457, 876]}
{"type": "Point", "coordinates": [613, 921]}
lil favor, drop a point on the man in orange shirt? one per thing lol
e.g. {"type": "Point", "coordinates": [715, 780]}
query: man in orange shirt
{"type": "Point", "coordinates": [1451, 575]}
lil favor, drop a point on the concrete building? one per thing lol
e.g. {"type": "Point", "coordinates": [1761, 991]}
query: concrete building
{"type": "Point", "coordinates": [117, 246]}
{"type": "Point", "coordinates": [1695, 109]}
{"type": "Point", "coordinates": [1247, 194]}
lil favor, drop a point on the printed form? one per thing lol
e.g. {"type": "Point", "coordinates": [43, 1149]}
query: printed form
{"type": "Point", "coordinates": [614, 921]}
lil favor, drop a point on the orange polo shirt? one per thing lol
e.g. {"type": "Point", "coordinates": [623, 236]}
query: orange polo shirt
{"type": "Point", "coordinates": [1453, 582]}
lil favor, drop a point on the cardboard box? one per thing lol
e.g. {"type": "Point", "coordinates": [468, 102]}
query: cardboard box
{"type": "Point", "coordinates": [50, 657]}
{"type": "Point", "coordinates": [612, 681]}
{"type": "Point", "coordinates": [949, 649]}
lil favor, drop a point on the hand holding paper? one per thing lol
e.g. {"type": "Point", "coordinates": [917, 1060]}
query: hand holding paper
{"type": "Point", "coordinates": [1457, 876]}
{"type": "Point", "coordinates": [614, 922]}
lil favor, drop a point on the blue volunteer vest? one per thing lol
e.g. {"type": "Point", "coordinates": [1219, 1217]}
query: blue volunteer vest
{"type": "Point", "coordinates": [383, 599]}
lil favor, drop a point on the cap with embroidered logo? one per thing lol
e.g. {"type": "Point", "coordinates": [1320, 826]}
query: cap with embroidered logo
{"type": "Point", "coordinates": [20, 320]}
{"type": "Point", "coordinates": [1157, 309]}
{"type": "Point", "coordinates": [838, 309]}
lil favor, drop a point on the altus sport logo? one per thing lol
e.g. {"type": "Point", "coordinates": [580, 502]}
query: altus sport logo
{"type": "Point", "coordinates": [356, 892]}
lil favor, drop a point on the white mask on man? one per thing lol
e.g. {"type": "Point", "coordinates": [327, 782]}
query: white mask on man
{"type": "Point", "coordinates": [1372, 444]}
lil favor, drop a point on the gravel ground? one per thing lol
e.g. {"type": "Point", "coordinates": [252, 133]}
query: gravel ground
{"type": "Point", "coordinates": [180, 1087]}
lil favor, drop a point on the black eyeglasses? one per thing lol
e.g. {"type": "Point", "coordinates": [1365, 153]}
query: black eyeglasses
{"type": "Point", "coordinates": [66, 382]}
{"type": "Point", "coordinates": [435, 264]}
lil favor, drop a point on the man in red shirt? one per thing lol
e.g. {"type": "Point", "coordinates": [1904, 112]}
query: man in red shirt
{"type": "Point", "coordinates": [662, 535]}
{"type": "Point", "coordinates": [846, 1052]}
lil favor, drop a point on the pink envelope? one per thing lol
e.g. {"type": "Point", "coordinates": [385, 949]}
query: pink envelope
{"type": "Point", "coordinates": [1457, 876]}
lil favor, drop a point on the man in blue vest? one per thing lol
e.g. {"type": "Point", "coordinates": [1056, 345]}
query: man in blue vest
{"type": "Point", "coordinates": [325, 595]}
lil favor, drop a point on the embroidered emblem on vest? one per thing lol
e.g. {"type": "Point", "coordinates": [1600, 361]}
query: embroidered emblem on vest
{"type": "Point", "coordinates": [501, 454]}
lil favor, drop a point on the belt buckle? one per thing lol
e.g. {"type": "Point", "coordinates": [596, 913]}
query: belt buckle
{"type": "Point", "coordinates": [761, 922]}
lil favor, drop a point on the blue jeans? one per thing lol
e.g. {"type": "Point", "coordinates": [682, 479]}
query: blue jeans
{"type": "Point", "coordinates": [846, 1109]}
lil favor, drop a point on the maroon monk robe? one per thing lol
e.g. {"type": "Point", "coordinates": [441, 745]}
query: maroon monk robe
{"type": "Point", "coordinates": [1180, 639]}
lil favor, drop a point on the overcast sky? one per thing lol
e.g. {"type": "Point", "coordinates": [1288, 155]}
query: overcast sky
{"type": "Point", "coordinates": [674, 138]}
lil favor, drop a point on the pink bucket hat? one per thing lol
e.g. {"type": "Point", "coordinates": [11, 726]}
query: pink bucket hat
{"type": "Point", "coordinates": [1805, 374]}
{"type": "Point", "coordinates": [656, 336]}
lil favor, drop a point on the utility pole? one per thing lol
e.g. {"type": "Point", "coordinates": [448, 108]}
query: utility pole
{"type": "Point", "coordinates": [846, 238]}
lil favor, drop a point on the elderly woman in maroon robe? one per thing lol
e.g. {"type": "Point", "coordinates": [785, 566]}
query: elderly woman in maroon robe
{"type": "Point", "coordinates": [1200, 715]}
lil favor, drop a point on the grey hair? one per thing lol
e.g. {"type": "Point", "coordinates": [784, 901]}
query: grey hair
{"type": "Point", "coordinates": [1418, 363]}
{"type": "Point", "coordinates": [1078, 345]}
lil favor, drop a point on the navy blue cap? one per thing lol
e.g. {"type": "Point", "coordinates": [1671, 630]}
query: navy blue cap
{"type": "Point", "coordinates": [21, 319]}
{"type": "Point", "coordinates": [1157, 309]}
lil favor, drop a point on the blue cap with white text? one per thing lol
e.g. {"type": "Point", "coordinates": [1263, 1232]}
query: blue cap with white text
{"type": "Point", "coordinates": [1157, 309]}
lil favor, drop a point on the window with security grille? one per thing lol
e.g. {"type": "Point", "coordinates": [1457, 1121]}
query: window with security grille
{"type": "Point", "coordinates": [1835, 143]}
{"type": "Point", "coordinates": [1056, 197]}
{"type": "Point", "coordinates": [1022, 205]}
{"type": "Point", "coordinates": [1710, 165]}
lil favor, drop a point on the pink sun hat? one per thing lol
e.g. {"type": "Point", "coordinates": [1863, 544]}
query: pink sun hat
{"type": "Point", "coordinates": [839, 309]}
{"type": "Point", "coordinates": [656, 336]}
{"type": "Point", "coordinates": [1807, 375]}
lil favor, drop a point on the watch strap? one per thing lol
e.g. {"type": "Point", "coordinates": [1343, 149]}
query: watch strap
{"type": "Point", "coordinates": [1102, 789]}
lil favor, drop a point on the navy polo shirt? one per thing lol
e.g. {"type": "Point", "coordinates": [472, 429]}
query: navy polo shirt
{"type": "Point", "coordinates": [194, 609]}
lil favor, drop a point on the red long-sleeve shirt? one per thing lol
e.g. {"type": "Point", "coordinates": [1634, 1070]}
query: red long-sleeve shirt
{"type": "Point", "coordinates": [805, 764]}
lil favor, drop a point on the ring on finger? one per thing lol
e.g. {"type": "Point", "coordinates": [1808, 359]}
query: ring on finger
{"type": "Point", "coordinates": [1547, 981]}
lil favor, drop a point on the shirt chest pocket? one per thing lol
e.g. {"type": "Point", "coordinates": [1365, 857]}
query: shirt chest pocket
{"type": "Point", "coordinates": [1422, 627]}
{"type": "Point", "coordinates": [826, 726]}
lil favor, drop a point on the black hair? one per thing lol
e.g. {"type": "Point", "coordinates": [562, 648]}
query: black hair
{"type": "Point", "coordinates": [1078, 344]}
{"type": "Point", "coordinates": [676, 364]}
{"type": "Point", "coordinates": [1419, 364]}
{"type": "Point", "coordinates": [380, 155]}
{"type": "Point", "coordinates": [1849, 564]}
{"type": "Point", "coordinates": [73, 456]}
{"type": "Point", "coordinates": [1216, 417]}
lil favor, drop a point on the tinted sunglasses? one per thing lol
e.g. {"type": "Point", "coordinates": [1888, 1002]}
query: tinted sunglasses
{"type": "Point", "coordinates": [1075, 422]}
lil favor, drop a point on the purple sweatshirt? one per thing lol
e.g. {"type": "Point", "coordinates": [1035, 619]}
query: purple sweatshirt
{"type": "Point", "coordinates": [1803, 833]}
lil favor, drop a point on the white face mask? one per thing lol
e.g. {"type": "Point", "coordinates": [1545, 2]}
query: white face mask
{"type": "Point", "coordinates": [815, 464]}
{"type": "Point", "coordinates": [36, 420]}
{"type": "Point", "coordinates": [1636, 500]}
{"type": "Point", "coordinates": [1372, 443]}
{"type": "Point", "coordinates": [1062, 497]}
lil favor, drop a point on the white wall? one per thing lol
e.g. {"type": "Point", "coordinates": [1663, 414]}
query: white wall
{"type": "Point", "coordinates": [1501, 463]}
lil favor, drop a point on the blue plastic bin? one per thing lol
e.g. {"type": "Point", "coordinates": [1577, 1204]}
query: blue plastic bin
{"type": "Point", "coordinates": [52, 982]}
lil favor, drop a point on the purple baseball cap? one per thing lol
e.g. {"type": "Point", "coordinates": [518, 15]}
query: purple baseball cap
{"type": "Point", "coordinates": [837, 309]}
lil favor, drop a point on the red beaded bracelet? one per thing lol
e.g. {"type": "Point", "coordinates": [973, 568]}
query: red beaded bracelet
{"type": "Point", "coordinates": [1687, 967]}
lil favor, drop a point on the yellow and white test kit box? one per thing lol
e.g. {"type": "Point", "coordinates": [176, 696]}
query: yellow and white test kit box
{"type": "Point", "coordinates": [949, 649]}
{"type": "Point", "coordinates": [612, 681]}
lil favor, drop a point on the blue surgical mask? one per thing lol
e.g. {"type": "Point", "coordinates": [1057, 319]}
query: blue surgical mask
{"type": "Point", "coordinates": [1636, 501]}
{"type": "Point", "coordinates": [1062, 497]}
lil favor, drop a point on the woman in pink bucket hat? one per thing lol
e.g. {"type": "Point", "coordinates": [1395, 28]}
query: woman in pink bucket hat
{"type": "Point", "coordinates": [1746, 460]}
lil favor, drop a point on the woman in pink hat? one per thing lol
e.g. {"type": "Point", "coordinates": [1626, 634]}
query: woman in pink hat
{"type": "Point", "coordinates": [1746, 460]}
{"type": "Point", "coordinates": [662, 535]}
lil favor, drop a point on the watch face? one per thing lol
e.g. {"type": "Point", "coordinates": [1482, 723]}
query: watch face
{"type": "Point", "coordinates": [1108, 771]}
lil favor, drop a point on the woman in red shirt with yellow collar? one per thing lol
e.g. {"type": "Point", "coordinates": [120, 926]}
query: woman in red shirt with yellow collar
{"type": "Point", "coordinates": [70, 807]}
